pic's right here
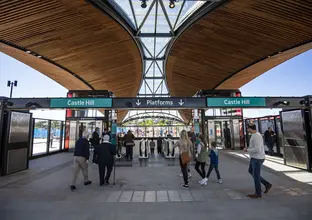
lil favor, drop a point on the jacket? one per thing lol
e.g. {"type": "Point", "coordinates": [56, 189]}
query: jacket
{"type": "Point", "coordinates": [104, 153]}
{"type": "Point", "coordinates": [82, 148]}
{"type": "Point", "coordinates": [95, 139]}
{"type": "Point", "coordinates": [269, 140]}
{"type": "Point", "coordinates": [203, 153]}
{"type": "Point", "coordinates": [129, 138]}
{"type": "Point", "coordinates": [214, 157]}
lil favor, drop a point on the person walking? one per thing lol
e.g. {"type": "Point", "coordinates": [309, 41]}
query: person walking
{"type": "Point", "coordinates": [81, 157]}
{"type": "Point", "coordinates": [152, 146]}
{"type": "Point", "coordinates": [95, 140]}
{"type": "Point", "coordinates": [159, 145]}
{"type": "Point", "coordinates": [201, 157]}
{"type": "Point", "coordinates": [184, 144]}
{"type": "Point", "coordinates": [104, 157]}
{"type": "Point", "coordinates": [129, 142]}
{"type": "Point", "coordinates": [257, 156]}
{"type": "Point", "coordinates": [214, 164]}
{"type": "Point", "coordinates": [269, 140]}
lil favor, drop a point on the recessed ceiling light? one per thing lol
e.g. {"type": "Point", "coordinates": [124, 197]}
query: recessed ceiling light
{"type": "Point", "coordinates": [28, 51]}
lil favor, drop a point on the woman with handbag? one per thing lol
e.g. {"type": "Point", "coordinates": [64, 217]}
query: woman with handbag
{"type": "Point", "coordinates": [184, 144]}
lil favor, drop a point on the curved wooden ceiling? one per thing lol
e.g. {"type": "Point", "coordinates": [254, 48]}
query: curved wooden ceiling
{"type": "Point", "coordinates": [91, 50]}
{"type": "Point", "coordinates": [233, 37]}
{"type": "Point", "coordinates": [237, 42]}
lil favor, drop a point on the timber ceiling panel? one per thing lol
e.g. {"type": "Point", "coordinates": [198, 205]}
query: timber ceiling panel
{"type": "Point", "coordinates": [221, 50]}
{"type": "Point", "coordinates": [78, 37]}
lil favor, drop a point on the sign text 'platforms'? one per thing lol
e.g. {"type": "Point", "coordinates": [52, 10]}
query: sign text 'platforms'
{"type": "Point", "coordinates": [81, 103]}
{"type": "Point", "coordinates": [236, 102]}
{"type": "Point", "coordinates": [160, 102]}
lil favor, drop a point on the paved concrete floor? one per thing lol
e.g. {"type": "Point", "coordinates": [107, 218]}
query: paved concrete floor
{"type": "Point", "coordinates": [149, 191]}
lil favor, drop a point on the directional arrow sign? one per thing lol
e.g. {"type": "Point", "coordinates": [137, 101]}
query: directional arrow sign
{"type": "Point", "coordinates": [159, 102]}
{"type": "Point", "coordinates": [138, 102]}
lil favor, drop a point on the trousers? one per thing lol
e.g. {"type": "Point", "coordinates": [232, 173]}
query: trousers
{"type": "Point", "coordinates": [255, 170]}
{"type": "Point", "coordinates": [80, 163]}
{"type": "Point", "coordinates": [102, 170]}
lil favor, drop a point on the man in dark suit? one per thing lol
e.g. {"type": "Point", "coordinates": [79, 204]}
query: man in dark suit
{"type": "Point", "coordinates": [104, 157]}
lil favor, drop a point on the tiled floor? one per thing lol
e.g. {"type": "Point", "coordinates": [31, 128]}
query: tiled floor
{"type": "Point", "coordinates": [151, 190]}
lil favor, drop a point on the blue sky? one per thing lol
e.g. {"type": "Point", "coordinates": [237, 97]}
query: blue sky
{"type": "Point", "coordinates": [292, 78]}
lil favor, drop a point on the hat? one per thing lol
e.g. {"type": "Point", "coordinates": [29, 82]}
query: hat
{"type": "Point", "coordinates": [106, 138]}
{"type": "Point", "coordinates": [85, 134]}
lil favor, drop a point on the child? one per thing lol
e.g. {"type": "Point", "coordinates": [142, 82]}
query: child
{"type": "Point", "coordinates": [214, 161]}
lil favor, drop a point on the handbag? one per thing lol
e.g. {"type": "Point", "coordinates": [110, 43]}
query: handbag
{"type": "Point", "coordinates": [185, 158]}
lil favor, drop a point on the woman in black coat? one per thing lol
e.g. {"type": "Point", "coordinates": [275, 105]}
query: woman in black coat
{"type": "Point", "coordinates": [104, 157]}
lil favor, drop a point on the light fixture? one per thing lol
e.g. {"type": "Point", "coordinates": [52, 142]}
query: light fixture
{"type": "Point", "coordinates": [283, 102]}
{"type": "Point", "coordinates": [171, 3]}
{"type": "Point", "coordinates": [39, 56]}
{"type": "Point", "coordinates": [143, 3]}
{"type": "Point", "coordinates": [28, 51]}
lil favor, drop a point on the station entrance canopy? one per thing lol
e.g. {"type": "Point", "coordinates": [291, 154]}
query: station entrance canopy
{"type": "Point", "coordinates": [155, 103]}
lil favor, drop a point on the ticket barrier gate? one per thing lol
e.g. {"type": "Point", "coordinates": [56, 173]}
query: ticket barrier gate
{"type": "Point", "coordinates": [144, 151]}
{"type": "Point", "coordinates": [169, 151]}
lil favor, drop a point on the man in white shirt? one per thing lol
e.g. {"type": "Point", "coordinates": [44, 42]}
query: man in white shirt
{"type": "Point", "coordinates": [257, 156]}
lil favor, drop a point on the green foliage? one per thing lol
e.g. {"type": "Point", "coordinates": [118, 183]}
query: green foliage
{"type": "Point", "coordinates": [41, 124]}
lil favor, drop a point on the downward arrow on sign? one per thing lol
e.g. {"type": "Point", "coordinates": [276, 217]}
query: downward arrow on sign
{"type": "Point", "coordinates": [138, 102]}
{"type": "Point", "coordinates": [181, 102]}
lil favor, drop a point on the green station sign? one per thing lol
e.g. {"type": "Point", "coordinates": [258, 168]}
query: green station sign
{"type": "Point", "coordinates": [236, 102]}
{"type": "Point", "coordinates": [81, 103]}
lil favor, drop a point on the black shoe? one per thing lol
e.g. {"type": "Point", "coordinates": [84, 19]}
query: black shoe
{"type": "Point", "coordinates": [87, 183]}
{"type": "Point", "coordinates": [267, 188]}
{"type": "Point", "coordinates": [254, 196]}
{"type": "Point", "coordinates": [106, 183]}
{"type": "Point", "coordinates": [185, 186]}
{"type": "Point", "coordinates": [72, 187]}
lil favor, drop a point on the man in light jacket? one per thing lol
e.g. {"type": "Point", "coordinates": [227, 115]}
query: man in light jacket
{"type": "Point", "coordinates": [257, 156]}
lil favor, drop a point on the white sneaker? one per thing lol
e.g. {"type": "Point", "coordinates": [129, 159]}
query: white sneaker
{"type": "Point", "coordinates": [189, 175]}
{"type": "Point", "coordinates": [180, 174]}
{"type": "Point", "coordinates": [219, 181]}
{"type": "Point", "coordinates": [201, 181]}
{"type": "Point", "coordinates": [204, 182]}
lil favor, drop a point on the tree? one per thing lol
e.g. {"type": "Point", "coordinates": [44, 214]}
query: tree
{"type": "Point", "coordinates": [41, 124]}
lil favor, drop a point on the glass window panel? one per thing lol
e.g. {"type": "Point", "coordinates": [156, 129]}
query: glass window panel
{"type": "Point", "coordinates": [149, 44]}
{"type": "Point", "coordinates": [125, 7]}
{"type": "Point", "coordinates": [164, 88]}
{"type": "Point", "coordinates": [148, 65]}
{"type": "Point", "coordinates": [149, 89]}
{"type": "Point", "coordinates": [142, 89]}
{"type": "Point", "coordinates": [55, 136]}
{"type": "Point", "coordinates": [161, 42]}
{"type": "Point", "coordinates": [40, 137]}
{"type": "Point", "coordinates": [149, 24]}
{"type": "Point", "coordinates": [162, 24]}
{"type": "Point", "coordinates": [139, 11]}
{"type": "Point", "coordinates": [150, 72]}
{"type": "Point", "coordinates": [157, 88]}
{"type": "Point", "coordinates": [189, 8]}
{"type": "Point", "coordinates": [173, 12]}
